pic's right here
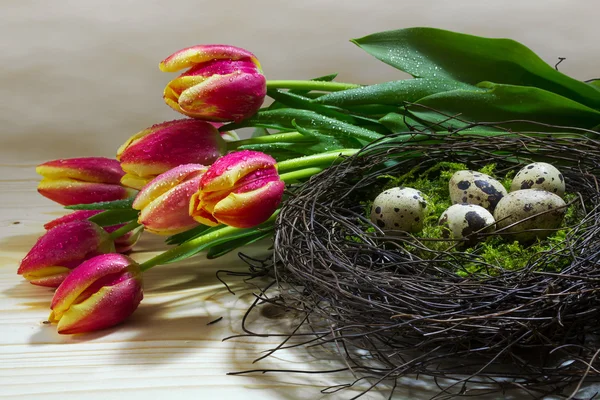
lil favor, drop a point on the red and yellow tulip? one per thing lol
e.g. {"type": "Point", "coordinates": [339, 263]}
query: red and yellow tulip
{"type": "Point", "coordinates": [241, 189]}
{"type": "Point", "coordinates": [101, 292]}
{"type": "Point", "coordinates": [82, 180]}
{"type": "Point", "coordinates": [164, 202]}
{"type": "Point", "coordinates": [223, 83]}
{"type": "Point", "coordinates": [61, 249]}
{"type": "Point", "coordinates": [164, 146]}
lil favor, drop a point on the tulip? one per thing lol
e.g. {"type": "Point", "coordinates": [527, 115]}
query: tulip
{"type": "Point", "coordinates": [100, 293]}
{"type": "Point", "coordinates": [241, 189]}
{"type": "Point", "coordinates": [123, 244]}
{"type": "Point", "coordinates": [223, 83]}
{"type": "Point", "coordinates": [164, 202]}
{"type": "Point", "coordinates": [162, 147]}
{"type": "Point", "coordinates": [82, 180]}
{"type": "Point", "coordinates": [61, 249]}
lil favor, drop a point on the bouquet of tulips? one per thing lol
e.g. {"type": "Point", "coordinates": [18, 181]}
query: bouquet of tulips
{"type": "Point", "coordinates": [194, 181]}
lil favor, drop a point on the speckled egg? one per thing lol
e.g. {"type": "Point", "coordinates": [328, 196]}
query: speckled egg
{"type": "Point", "coordinates": [521, 204]}
{"type": "Point", "coordinates": [401, 209]}
{"type": "Point", "coordinates": [539, 175]}
{"type": "Point", "coordinates": [461, 221]}
{"type": "Point", "coordinates": [472, 187]}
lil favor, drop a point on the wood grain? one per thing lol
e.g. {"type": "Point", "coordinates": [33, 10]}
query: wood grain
{"type": "Point", "coordinates": [165, 350]}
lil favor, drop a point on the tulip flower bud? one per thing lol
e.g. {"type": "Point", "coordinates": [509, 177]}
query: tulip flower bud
{"type": "Point", "coordinates": [241, 189]}
{"type": "Point", "coordinates": [167, 145]}
{"type": "Point", "coordinates": [101, 292]}
{"type": "Point", "coordinates": [61, 249]}
{"type": "Point", "coordinates": [164, 202]}
{"type": "Point", "coordinates": [223, 83]}
{"type": "Point", "coordinates": [82, 180]}
{"type": "Point", "coordinates": [123, 244]}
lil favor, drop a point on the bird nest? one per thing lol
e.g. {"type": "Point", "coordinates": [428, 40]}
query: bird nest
{"type": "Point", "coordinates": [404, 305]}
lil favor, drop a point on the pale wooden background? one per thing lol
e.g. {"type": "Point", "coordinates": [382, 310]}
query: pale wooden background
{"type": "Point", "coordinates": [78, 78]}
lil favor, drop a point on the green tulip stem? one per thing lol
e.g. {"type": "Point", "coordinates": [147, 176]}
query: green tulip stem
{"type": "Point", "coordinates": [315, 160]}
{"type": "Point", "coordinates": [123, 230]}
{"type": "Point", "coordinates": [294, 176]}
{"type": "Point", "coordinates": [311, 85]}
{"type": "Point", "coordinates": [288, 137]}
{"type": "Point", "coordinates": [215, 236]}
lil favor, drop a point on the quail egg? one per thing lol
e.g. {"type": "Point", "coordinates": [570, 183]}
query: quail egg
{"type": "Point", "coordinates": [461, 221]}
{"type": "Point", "coordinates": [402, 209]}
{"type": "Point", "coordinates": [521, 204]}
{"type": "Point", "coordinates": [472, 187]}
{"type": "Point", "coordinates": [539, 175]}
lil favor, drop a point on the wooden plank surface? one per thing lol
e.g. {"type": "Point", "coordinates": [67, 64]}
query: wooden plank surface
{"type": "Point", "coordinates": [165, 350]}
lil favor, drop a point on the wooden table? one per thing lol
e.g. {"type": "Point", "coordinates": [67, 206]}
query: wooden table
{"type": "Point", "coordinates": [165, 350]}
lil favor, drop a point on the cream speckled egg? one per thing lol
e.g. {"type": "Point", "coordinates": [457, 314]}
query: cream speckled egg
{"type": "Point", "coordinates": [472, 187]}
{"type": "Point", "coordinates": [521, 204]}
{"type": "Point", "coordinates": [402, 209]}
{"type": "Point", "coordinates": [539, 175]}
{"type": "Point", "coordinates": [463, 220]}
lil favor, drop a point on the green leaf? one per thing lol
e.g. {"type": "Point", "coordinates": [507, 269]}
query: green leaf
{"type": "Point", "coordinates": [242, 233]}
{"type": "Point", "coordinates": [297, 101]}
{"type": "Point", "coordinates": [325, 78]}
{"type": "Point", "coordinates": [220, 250]}
{"type": "Point", "coordinates": [508, 102]}
{"type": "Point", "coordinates": [283, 119]}
{"type": "Point", "coordinates": [258, 132]}
{"type": "Point", "coordinates": [392, 93]}
{"type": "Point", "coordinates": [104, 205]}
{"type": "Point", "coordinates": [114, 217]}
{"type": "Point", "coordinates": [436, 53]}
{"type": "Point", "coordinates": [398, 123]}
{"type": "Point", "coordinates": [595, 83]}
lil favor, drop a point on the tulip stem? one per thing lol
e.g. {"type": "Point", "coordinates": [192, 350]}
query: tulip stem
{"type": "Point", "coordinates": [311, 85]}
{"type": "Point", "coordinates": [290, 177]}
{"type": "Point", "coordinates": [288, 137]}
{"type": "Point", "coordinates": [207, 240]}
{"type": "Point", "coordinates": [314, 160]}
{"type": "Point", "coordinates": [123, 230]}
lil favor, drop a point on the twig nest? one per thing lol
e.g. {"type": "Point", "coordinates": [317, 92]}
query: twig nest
{"type": "Point", "coordinates": [466, 221]}
{"type": "Point", "coordinates": [399, 209]}
{"type": "Point", "coordinates": [529, 214]}
{"type": "Point", "coordinates": [472, 187]}
{"type": "Point", "coordinates": [539, 175]}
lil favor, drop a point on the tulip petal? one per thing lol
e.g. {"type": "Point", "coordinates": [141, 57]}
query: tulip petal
{"type": "Point", "coordinates": [233, 96]}
{"type": "Point", "coordinates": [168, 213]}
{"type": "Point", "coordinates": [187, 141]}
{"type": "Point", "coordinates": [190, 56]}
{"type": "Point", "coordinates": [136, 182]}
{"type": "Point", "coordinates": [74, 216]}
{"type": "Point", "coordinates": [88, 169]}
{"type": "Point", "coordinates": [68, 192]}
{"type": "Point", "coordinates": [64, 246]}
{"type": "Point", "coordinates": [248, 209]}
{"type": "Point", "coordinates": [199, 214]}
{"type": "Point", "coordinates": [165, 182]}
{"type": "Point", "coordinates": [226, 171]}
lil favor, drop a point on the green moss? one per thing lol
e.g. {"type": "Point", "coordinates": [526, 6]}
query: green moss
{"type": "Point", "coordinates": [494, 254]}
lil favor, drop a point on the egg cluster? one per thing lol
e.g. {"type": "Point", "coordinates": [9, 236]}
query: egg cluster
{"type": "Point", "coordinates": [533, 209]}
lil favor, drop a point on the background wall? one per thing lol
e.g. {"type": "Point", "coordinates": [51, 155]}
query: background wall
{"type": "Point", "coordinates": [79, 77]}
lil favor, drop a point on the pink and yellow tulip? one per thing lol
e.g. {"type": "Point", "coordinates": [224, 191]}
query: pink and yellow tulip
{"type": "Point", "coordinates": [241, 189]}
{"type": "Point", "coordinates": [82, 180]}
{"type": "Point", "coordinates": [223, 83]}
{"type": "Point", "coordinates": [61, 249]}
{"type": "Point", "coordinates": [123, 244]}
{"type": "Point", "coordinates": [164, 146]}
{"type": "Point", "coordinates": [100, 293]}
{"type": "Point", "coordinates": [164, 202]}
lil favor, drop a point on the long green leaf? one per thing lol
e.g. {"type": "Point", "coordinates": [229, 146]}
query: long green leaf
{"type": "Point", "coordinates": [392, 93]}
{"type": "Point", "coordinates": [114, 217]}
{"type": "Point", "coordinates": [104, 205]}
{"type": "Point", "coordinates": [508, 102]}
{"type": "Point", "coordinates": [436, 53]}
{"type": "Point", "coordinates": [187, 235]}
{"type": "Point", "coordinates": [297, 101]}
{"type": "Point", "coordinates": [283, 119]}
